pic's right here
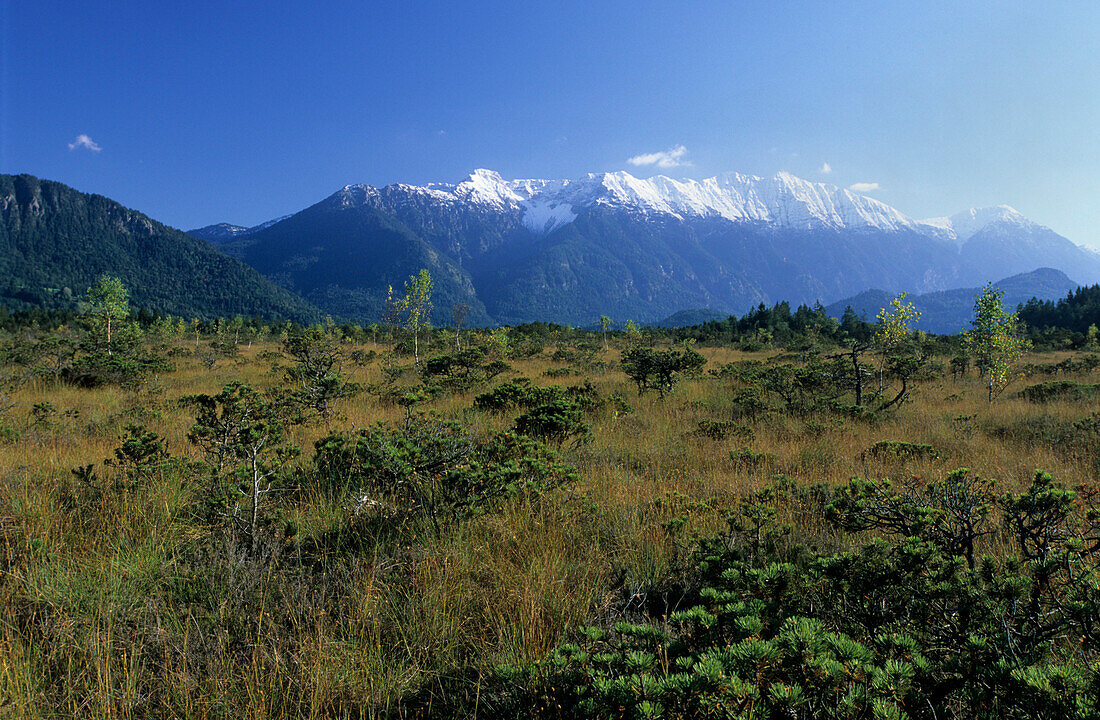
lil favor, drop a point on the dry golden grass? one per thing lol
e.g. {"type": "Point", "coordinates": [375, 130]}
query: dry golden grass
{"type": "Point", "coordinates": [94, 623]}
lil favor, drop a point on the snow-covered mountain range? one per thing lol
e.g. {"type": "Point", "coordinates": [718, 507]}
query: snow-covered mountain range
{"type": "Point", "coordinates": [570, 250]}
{"type": "Point", "coordinates": [783, 200]}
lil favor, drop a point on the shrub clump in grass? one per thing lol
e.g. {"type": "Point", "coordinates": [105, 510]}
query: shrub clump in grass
{"type": "Point", "coordinates": [435, 469]}
{"type": "Point", "coordinates": [901, 451]}
{"type": "Point", "coordinates": [660, 370]}
{"type": "Point", "coordinates": [1059, 390]}
{"type": "Point", "coordinates": [722, 429]}
{"type": "Point", "coordinates": [521, 393]}
{"type": "Point", "coordinates": [747, 459]}
{"type": "Point", "coordinates": [556, 420]}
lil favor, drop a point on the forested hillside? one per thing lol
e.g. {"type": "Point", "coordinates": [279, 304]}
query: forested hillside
{"type": "Point", "coordinates": [55, 241]}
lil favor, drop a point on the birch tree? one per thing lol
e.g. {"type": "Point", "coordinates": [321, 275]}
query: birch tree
{"type": "Point", "coordinates": [414, 310]}
{"type": "Point", "coordinates": [994, 340]}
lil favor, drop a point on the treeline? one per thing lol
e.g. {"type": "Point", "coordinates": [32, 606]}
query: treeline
{"type": "Point", "coordinates": [1070, 322]}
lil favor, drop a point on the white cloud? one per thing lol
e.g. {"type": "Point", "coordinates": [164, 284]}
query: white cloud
{"type": "Point", "coordinates": [673, 157]}
{"type": "Point", "coordinates": [825, 169]}
{"type": "Point", "coordinates": [863, 187]}
{"type": "Point", "coordinates": [83, 141]}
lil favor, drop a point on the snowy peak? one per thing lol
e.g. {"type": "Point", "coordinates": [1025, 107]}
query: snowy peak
{"type": "Point", "coordinates": [352, 195]}
{"type": "Point", "coordinates": [219, 231]}
{"type": "Point", "coordinates": [965, 225]}
{"type": "Point", "coordinates": [545, 205]}
{"type": "Point", "coordinates": [488, 187]}
{"type": "Point", "coordinates": [785, 201]}
{"type": "Point", "coordinates": [222, 233]}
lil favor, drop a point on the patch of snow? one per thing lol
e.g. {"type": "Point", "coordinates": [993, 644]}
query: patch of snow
{"type": "Point", "coordinates": [543, 216]}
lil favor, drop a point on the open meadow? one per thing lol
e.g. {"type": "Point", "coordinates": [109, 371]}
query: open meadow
{"type": "Point", "coordinates": [156, 583]}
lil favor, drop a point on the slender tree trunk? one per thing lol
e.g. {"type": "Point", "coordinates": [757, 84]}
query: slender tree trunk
{"type": "Point", "coordinates": [255, 501]}
{"type": "Point", "coordinates": [859, 379]}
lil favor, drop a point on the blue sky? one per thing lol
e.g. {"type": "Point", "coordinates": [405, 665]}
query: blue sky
{"type": "Point", "coordinates": [201, 112]}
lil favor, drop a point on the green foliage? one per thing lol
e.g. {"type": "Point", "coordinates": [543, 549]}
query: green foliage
{"type": "Point", "coordinates": [464, 369]}
{"type": "Point", "coordinates": [895, 324]}
{"type": "Point", "coordinates": [110, 349]}
{"type": "Point", "coordinates": [721, 429]}
{"type": "Point", "coordinates": [1087, 363]}
{"type": "Point", "coordinates": [521, 393]}
{"type": "Point", "coordinates": [413, 310]}
{"type": "Point", "coordinates": [901, 450]}
{"type": "Point", "coordinates": [1058, 390]}
{"type": "Point", "coordinates": [317, 373]}
{"type": "Point", "coordinates": [815, 387]}
{"type": "Point", "coordinates": [1071, 314]}
{"type": "Point", "coordinates": [99, 368]}
{"type": "Point", "coordinates": [764, 326]}
{"type": "Point", "coordinates": [108, 303]}
{"type": "Point", "coordinates": [951, 513]}
{"type": "Point", "coordinates": [660, 370]}
{"type": "Point", "coordinates": [434, 469]}
{"type": "Point", "coordinates": [994, 340]}
{"type": "Point", "coordinates": [903, 357]}
{"type": "Point", "coordinates": [242, 433]}
{"type": "Point", "coordinates": [55, 241]}
{"type": "Point", "coordinates": [141, 454]}
{"type": "Point", "coordinates": [43, 414]}
{"type": "Point", "coordinates": [901, 629]}
{"type": "Point", "coordinates": [748, 460]}
{"type": "Point", "coordinates": [507, 396]}
{"type": "Point", "coordinates": [556, 420]}
{"type": "Point", "coordinates": [464, 363]}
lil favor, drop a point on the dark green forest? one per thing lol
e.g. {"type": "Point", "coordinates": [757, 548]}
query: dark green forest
{"type": "Point", "coordinates": [55, 241]}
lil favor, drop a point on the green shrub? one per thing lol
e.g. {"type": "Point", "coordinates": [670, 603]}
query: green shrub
{"type": "Point", "coordinates": [904, 628]}
{"type": "Point", "coordinates": [504, 397]}
{"type": "Point", "coordinates": [660, 370]}
{"type": "Point", "coordinates": [556, 421]}
{"type": "Point", "coordinates": [520, 393]}
{"type": "Point", "coordinates": [317, 373]}
{"type": "Point", "coordinates": [721, 429]}
{"type": "Point", "coordinates": [434, 469]}
{"type": "Point", "coordinates": [1058, 390]}
{"type": "Point", "coordinates": [748, 459]}
{"type": "Point", "coordinates": [899, 450]}
{"type": "Point", "coordinates": [100, 368]}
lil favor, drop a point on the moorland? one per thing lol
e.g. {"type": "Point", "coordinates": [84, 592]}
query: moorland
{"type": "Point", "coordinates": [790, 516]}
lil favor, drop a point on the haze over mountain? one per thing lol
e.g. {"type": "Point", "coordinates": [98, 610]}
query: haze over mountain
{"type": "Point", "coordinates": [55, 241]}
{"type": "Point", "coordinates": [614, 244]}
{"type": "Point", "coordinates": [950, 311]}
